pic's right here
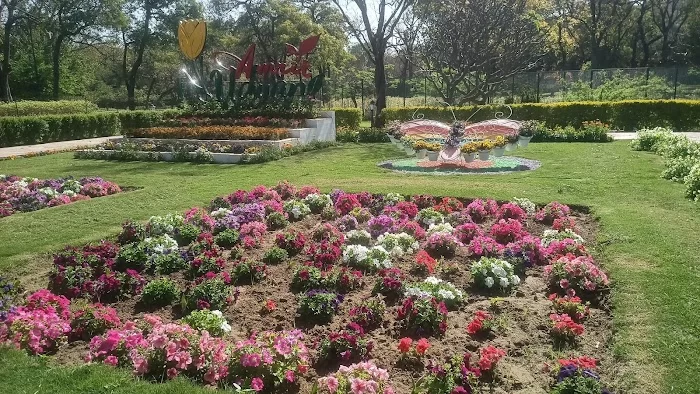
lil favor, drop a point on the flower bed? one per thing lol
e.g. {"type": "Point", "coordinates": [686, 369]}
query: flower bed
{"type": "Point", "coordinates": [263, 289]}
{"type": "Point", "coordinates": [213, 133]}
{"type": "Point", "coordinates": [31, 194]}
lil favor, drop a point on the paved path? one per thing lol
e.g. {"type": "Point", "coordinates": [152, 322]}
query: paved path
{"type": "Point", "coordinates": [631, 136]}
{"type": "Point", "coordinates": [52, 146]}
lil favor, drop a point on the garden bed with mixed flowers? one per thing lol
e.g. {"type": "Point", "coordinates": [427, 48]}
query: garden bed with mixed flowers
{"type": "Point", "coordinates": [30, 194]}
{"type": "Point", "coordinates": [287, 289]}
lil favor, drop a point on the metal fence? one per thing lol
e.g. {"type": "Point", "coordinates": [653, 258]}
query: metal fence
{"type": "Point", "coordinates": [679, 82]}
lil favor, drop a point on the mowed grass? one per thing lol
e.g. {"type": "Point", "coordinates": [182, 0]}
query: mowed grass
{"type": "Point", "coordinates": [649, 231]}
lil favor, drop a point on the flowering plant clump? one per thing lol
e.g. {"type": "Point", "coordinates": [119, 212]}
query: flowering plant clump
{"type": "Point", "coordinates": [324, 253]}
{"type": "Point", "coordinates": [251, 233]}
{"type": "Point", "coordinates": [505, 231]}
{"type": "Point", "coordinates": [490, 272]}
{"type": "Point", "coordinates": [369, 314]}
{"type": "Point", "coordinates": [358, 237]}
{"type": "Point", "coordinates": [291, 240]}
{"type": "Point", "coordinates": [404, 210]}
{"type": "Point", "coordinates": [296, 209]}
{"type": "Point", "coordinates": [160, 292]}
{"type": "Point", "coordinates": [390, 283]}
{"type": "Point", "coordinates": [458, 218]}
{"type": "Point", "coordinates": [346, 345]}
{"type": "Point", "coordinates": [425, 263]}
{"type": "Point", "coordinates": [306, 190]}
{"type": "Point", "coordinates": [480, 210]}
{"type": "Point", "coordinates": [208, 294]}
{"type": "Point", "coordinates": [465, 233]}
{"type": "Point", "coordinates": [317, 202]}
{"type": "Point", "coordinates": [440, 228]}
{"type": "Point", "coordinates": [571, 274]}
{"type": "Point", "coordinates": [449, 205]}
{"type": "Point", "coordinates": [528, 206]}
{"type": "Point", "coordinates": [363, 215]}
{"type": "Point", "coordinates": [551, 211]}
{"type": "Point", "coordinates": [161, 225]}
{"type": "Point", "coordinates": [441, 244]}
{"type": "Point", "coordinates": [527, 251]}
{"type": "Point", "coordinates": [131, 232]}
{"type": "Point", "coordinates": [346, 203]}
{"type": "Point", "coordinates": [485, 247]}
{"type": "Point", "coordinates": [411, 228]}
{"type": "Point", "coordinates": [572, 306]}
{"type": "Point", "coordinates": [346, 223]}
{"type": "Point", "coordinates": [565, 247]}
{"type": "Point", "coordinates": [550, 236]}
{"type": "Point", "coordinates": [364, 377]}
{"type": "Point", "coordinates": [482, 323]}
{"type": "Point", "coordinates": [31, 194]}
{"type": "Point", "coordinates": [320, 305]}
{"type": "Point", "coordinates": [327, 232]}
{"type": "Point", "coordinates": [428, 216]}
{"type": "Point", "coordinates": [369, 259]}
{"type": "Point", "coordinates": [423, 200]}
{"type": "Point", "coordinates": [379, 225]}
{"type": "Point", "coordinates": [460, 375]}
{"type": "Point", "coordinates": [511, 211]}
{"type": "Point", "coordinates": [564, 328]}
{"type": "Point", "coordinates": [398, 244]}
{"type": "Point", "coordinates": [212, 322]}
{"type": "Point", "coordinates": [276, 220]}
{"type": "Point", "coordinates": [578, 375]}
{"type": "Point", "coordinates": [423, 316]}
{"type": "Point", "coordinates": [438, 289]}
{"type": "Point", "coordinates": [207, 261]}
{"type": "Point", "coordinates": [562, 224]}
{"type": "Point", "coordinates": [285, 190]}
{"type": "Point", "coordinates": [308, 277]}
{"type": "Point", "coordinates": [10, 291]}
{"type": "Point", "coordinates": [275, 255]}
{"type": "Point", "coordinates": [406, 345]}
{"type": "Point", "coordinates": [248, 271]}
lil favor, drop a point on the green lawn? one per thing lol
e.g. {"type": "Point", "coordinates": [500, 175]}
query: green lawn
{"type": "Point", "coordinates": [650, 231]}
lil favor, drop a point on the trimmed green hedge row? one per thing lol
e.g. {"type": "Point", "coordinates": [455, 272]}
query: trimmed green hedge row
{"type": "Point", "coordinates": [347, 117]}
{"type": "Point", "coordinates": [36, 108]}
{"type": "Point", "coordinates": [680, 115]}
{"type": "Point", "coordinates": [362, 135]}
{"type": "Point", "coordinates": [25, 130]}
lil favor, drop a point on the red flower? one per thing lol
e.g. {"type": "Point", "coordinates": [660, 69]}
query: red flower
{"type": "Point", "coordinates": [405, 345]}
{"type": "Point", "coordinates": [475, 326]}
{"type": "Point", "coordinates": [422, 346]}
{"type": "Point", "coordinates": [270, 305]}
{"type": "Point", "coordinates": [423, 259]}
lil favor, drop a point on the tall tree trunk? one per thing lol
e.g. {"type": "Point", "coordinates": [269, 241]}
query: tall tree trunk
{"type": "Point", "coordinates": [131, 93]}
{"type": "Point", "coordinates": [380, 87]}
{"type": "Point", "coordinates": [5, 68]}
{"type": "Point", "coordinates": [56, 64]}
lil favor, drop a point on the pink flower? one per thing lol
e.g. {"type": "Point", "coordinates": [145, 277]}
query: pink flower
{"type": "Point", "coordinates": [332, 384]}
{"type": "Point", "coordinates": [564, 283]}
{"type": "Point", "coordinates": [111, 360]}
{"type": "Point", "coordinates": [289, 375]}
{"type": "Point", "coordinates": [172, 373]}
{"type": "Point", "coordinates": [257, 384]}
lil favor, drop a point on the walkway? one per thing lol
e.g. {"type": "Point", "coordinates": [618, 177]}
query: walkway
{"type": "Point", "coordinates": [52, 146]}
{"type": "Point", "coordinates": [630, 136]}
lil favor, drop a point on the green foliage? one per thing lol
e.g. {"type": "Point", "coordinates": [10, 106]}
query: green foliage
{"type": "Point", "coordinates": [692, 183]}
{"type": "Point", "coordinates": [27, 130]}
{"type": "Point", "coordinates": [185, 234]}
{"type": "Point", "coordinates": [651, 140]}
{"type": "Point", "coordinates": [577, 384]}
{"type": "Point", "coordinates": [271, 153]}
{"type": "Point", "coordinates": [131, 256]}
{"type": "Point", "coordinates": [208, 294]}
{"type": "Point", "coordinates": [681, 115]}
{"type": "Point", "coordinates": [276, 220]}
{"type": "Point", "coordinates": [227, 238]}
{"type": "Point", "coordinates": [275, 255]}
{"type": "Point", "coordinates": [590, 132]}
{"type": "Point", "coordinates": [363, 134]}
{"type": "Point", "coordinates": [211, 321]}
{"type": "Point", "coordinates": [147, 118]}
{"type": "Point", "coordinates": [160, 292]}
{"type": "Point", "coordinates": [168, 263]}
{"type": "Point", "coordinates": [36, 108]}
{"type": "Point", "coordinates": [678, 168]}
{"type": "Point", "coordinates": [618, 87]}
{"type": "Point", "coordinates": [347, 117]}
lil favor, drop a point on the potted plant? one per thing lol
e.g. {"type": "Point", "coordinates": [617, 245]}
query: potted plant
{"type": "Point", "coordinates": [512, 141]}
{"type": "Point", "coordinates": [433, 151]}
{"type": "Point", "coordinates": [469, 151]}
{"type": "Point", "coordinates": [421, 148]}
{"type": "Point", "coordinates": [393, 130]}
{"type": "Point", "coordinates": [499, 146]}
{"type": "Point", "coordinates": [527, 131]}
{"type": "Point", "coordinates": [484, 148]}
{"type": "Point", "coordinates": [407, 143]}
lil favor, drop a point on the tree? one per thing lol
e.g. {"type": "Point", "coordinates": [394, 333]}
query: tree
{"type": "Point", "coordinates": [471, 46]}
{"type": "Point", "coordinates": [669, 17]}
{"type": "Point", "coordinates": [374, 37]}
{"type": "Point", "coordinates": [12, 12]}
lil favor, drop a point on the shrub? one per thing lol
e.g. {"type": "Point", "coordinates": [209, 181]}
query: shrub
{"type": "Point", "coordinates": [291, 240]}
{"type": "Point", "coordinates": [347, 117]}
{"type": "Point", "coordinates": [369, 314]}
{"type": "Point", "coordinates": [276, 220]}
{"type": "Point", "coordinates": [423, 316]}
{"type": "Point", "coordinates": [34, 108]}
{"type": "Point", "coordinates": [490, 272]}
{"type": "Point", "coordinates": [327, 232]}
{"type": "Point", "coordinates": [317, 202]}
{"type": "Point", "coordinates": [186, 234]}
{"type": "Point", "coordinates": [131, 232]}
{"type": "Point", "coordinates": [249, 271]}
{"type": "Point", "coordinates": [38, 331]}
{"type": "Point", "coordinates": [275, 255]}
{"type": "Point", "coordinates": [319, 305]}
{"type": "Point", "coordinates": [692, 183]}
{"type": "Point", "coordinates": [49, 128]}
{"type": "Point", "coordinates": [346, 345]}
{"type": "Point", "coordinates": [505, 231]}
{"type": "Point", "coordinates": [398, 244]}
{"type": "Point", "coordinates": [368, 259]}
{"type": "Point", "coordinates": [167, 263]}
{"type": "Point", "coordinates": [651, 140]}
{"type": "Point", "coordinates": [211, 321]}
{"type": "Point", "coordinates": [390, 283]}
{"type": "Point", "coordinates": [212, 133]}
{"type": "Point", "coordinates": [296, 209]}
{"type": "Point", "coordinates": [575, 274]}
{"type": "Point", "coordinates": [227, 238]}
{"type": "Point", "coordinates": [90, 320]}
{"type": "Point", "coordinates": [429, 216]}
{"type": "Point", "coordinates": [371, 134]}
{"type": "Point", "coordinates": [680, 167]}
{"type": "Point", "coordinates": [160, 292]}
{"type": "Point", "coordinates": [208, 294]}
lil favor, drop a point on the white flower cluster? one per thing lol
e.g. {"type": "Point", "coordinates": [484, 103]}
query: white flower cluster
{"type": "Point", "coordinates": [319, 201]}
{"type": "Point", "coordinates": [438, 288]}
{"type": "Point", "coordinates": [527, 205]}
{"type": "Point", "coordinates": [393, 198]}
{"type": "Point", "coordinates": [71, 185]}
{"type": "Point", "coordinates": [429, 216]}
{"type": "Point", "coordinates": [160, 245]}
{"type": "Point", "coordinates": [220, 213]}
{"type": "Point", "coordinates": [297, 209]}
{"type": "Point", "coordinates": [398, 244]}
{"type": "Point", "coordinates": [49, 192]}
{"type": "Point", "coordinates": [361, 256]}
{"type": "Point", "coordinates": [159, 225]}
{"type": "Point", "coordinates": [489, 271]}
{"type": "Point", "coordinates": [554, 235]}
{"type": "Point", "coordinates": [445, 228]}
{"type": "Point", "coordinates": [225, 327]}
{"type": "Point", "coordinates": [358, 237]}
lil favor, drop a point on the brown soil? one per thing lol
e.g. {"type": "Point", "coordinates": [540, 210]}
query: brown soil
{"type": "Point", "coordinates": [524, 314]}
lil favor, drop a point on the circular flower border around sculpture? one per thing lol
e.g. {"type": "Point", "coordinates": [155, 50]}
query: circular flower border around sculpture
{"type": "Point", "coordinates": [497, 165]}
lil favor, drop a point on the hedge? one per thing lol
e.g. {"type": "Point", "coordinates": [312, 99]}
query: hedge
{"type": "Point", "coordinates": [25, 130]}
{"type": "Point", "coordinates": [212, 133]}
{"type": "Point", "coordinates": [681, 115]}
{"type": "Point", "coordinates": [347, 117]}
{"type": "Point", "coordinates": [36, 108]}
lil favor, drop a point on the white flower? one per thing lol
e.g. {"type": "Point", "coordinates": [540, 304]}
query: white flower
{"type": "Point", "coordinates": [484, 271]}
{"type": "Point", "coordinates": [225, 327]}
{"type": "Point", "coordinates": [296, 212]}
{"type": "Point", "coordinates": [396, 251]}
{"type": "Point", "coordinates": [440, 228]}
{"type": "Point", "coordinates": [415, 292]}
{"type": "Point", "coordinates": [433, 280]}
{"type": "Point", "coordinates": [217, 313]}
{"type": "Point", "coordinates": [488, 281]}
{"type": "Point", "coordinates": [445, 294]}
{"type": "Point", "coordinates": [508, 265]}
{"type": "Point", "coordinates": [220, 213]}
{"type": "Point", "coordinates": [69, 193]}
{"type": "Point", "coordinates": [498, 271]}
{"type": "Point", "coordinates": [504, 282]}
{"type": "Point", "coordinates": [515, 279]}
